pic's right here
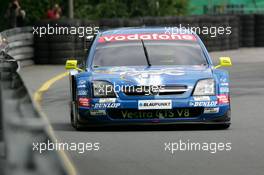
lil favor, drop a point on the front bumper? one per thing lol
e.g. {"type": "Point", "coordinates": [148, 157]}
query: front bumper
{"type": "Point", "coordinates": [101, 115]}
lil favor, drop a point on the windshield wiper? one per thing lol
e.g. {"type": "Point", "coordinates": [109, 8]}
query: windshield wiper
{"type": "Point", "coordinates": [146, 53]}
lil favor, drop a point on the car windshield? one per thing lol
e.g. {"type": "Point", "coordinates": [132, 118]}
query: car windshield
{"type": "Point", "coordinates": [131, 53]}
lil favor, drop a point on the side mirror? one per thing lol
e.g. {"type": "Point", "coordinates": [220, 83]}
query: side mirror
{"type": "Point", "coordinates": [225, 62]}
{"type": "Point", "coordinates": [72, 65]}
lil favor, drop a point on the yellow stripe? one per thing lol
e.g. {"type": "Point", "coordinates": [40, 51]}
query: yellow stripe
{"type": "Point", "coordinates": [38, 98]}
{"type": "Point", "coordinates": [45, 87]}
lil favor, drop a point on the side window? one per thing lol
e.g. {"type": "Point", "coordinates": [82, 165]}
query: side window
{"type": "Point", "coordinates": [87, 43]}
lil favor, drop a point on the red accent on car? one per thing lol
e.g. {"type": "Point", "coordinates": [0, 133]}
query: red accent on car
{"type": "Point", "coordinates": [223, 99]}
{"type": "Point", "coordinates": [85, 102]}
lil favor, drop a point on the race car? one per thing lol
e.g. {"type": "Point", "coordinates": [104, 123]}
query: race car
{"type": "Point", "coordinates": [149, 76]}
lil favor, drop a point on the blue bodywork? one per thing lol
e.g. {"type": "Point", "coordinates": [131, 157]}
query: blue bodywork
{"type": "Point", "coordinates": [188, 76]}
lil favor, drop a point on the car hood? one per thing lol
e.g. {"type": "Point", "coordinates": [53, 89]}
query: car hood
{"type": "Point", "coordinates": [154, 75]}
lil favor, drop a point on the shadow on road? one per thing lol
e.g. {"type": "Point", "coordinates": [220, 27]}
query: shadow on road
{"type": "Point", "coordinates": [136, 128]}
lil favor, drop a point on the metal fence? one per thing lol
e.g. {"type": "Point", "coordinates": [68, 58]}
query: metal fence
{"type": "Point", "coordinates": [22, 125]}
{"type": "Point", "coordinates": [18, 43]}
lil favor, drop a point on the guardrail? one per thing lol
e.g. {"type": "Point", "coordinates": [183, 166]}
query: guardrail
{"type": "Point", "coordinates": [18, 43]}
{"type": "Point", "coordinates": [22, 124]}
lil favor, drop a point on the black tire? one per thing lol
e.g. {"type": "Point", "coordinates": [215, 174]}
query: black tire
{"type": "Point", "coordinates": [39, 46]}
{"type": "Point", "coordinates": [217, 126]}
{"type": "Point", "coordinates": [61, 38]}
{"type": "Point", "coordinates": [62, 46]}
{"type": "Point", "coordinates": [260, 43]}
{"type": "Point", "coordinates": [74, 121]}
{"type": "Point", "coordinates": [80, 53]}
{"type": "Point", "coordinates": [62, 54]}
{"type": "Point", "coordinates": [41, 61]}
{"type": "Point", "coordinates": [114, 22]}
{"type": "Point", "coordinates": [74, 106]}
{"type": "Point", "coordinates": [79, 45]}
{"type": "Point", "coordinates": [42, 54]}
{"type": "Point", "coordinates": [41, 57]}
{"type": "Point", "coordinates": [58, 60]}
{"type": "Point", "coordinates": [79, 39]}
{"type": "Point", "coordinates": [72, 115]}
{"type": "Point", "coordinates": [223, 126]}
{"type": "Point", "coordinates": [42, 39]}
{"type": "Point", "coordinates": [87, 23]}
{"type": "Point", "coordinates": [133, 22]}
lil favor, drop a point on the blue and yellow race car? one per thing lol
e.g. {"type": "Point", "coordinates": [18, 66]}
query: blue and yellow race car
{"type": "Point", "coordinates": [149, 76]}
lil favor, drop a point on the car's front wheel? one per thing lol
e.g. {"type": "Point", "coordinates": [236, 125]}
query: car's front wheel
{"type": "Point", "coordinates": [74, 109]}
{"type": "Point", "coordinates": [223, 126]}
{"type": "Point", "coordinates": [74, 117]}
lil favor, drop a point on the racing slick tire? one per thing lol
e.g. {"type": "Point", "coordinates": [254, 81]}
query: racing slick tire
{"type": "Point", "coordinates": [74, 113]}
{"type": "Point", "coordinates": [62, 46]}
{"type": "Point", "coordinates": [222, 126]}
{"type": "Point", "coordinates": [225, 122]}
{"type": "Point", "coordinates": [41, 57]}
{"type": "Point", "coordinates": [74, 119]}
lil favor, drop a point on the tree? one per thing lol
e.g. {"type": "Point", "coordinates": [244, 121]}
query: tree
{"type": "Point", "coordinates": [94, 9]}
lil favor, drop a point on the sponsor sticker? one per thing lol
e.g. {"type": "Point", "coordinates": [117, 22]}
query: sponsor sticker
{"type": "Point", "coordinates": [203, 103]}
{"type": "Point", "coordinates": [223, 99]}
{"type": "Point", "coordinates": [211, 110]}
{"type": "Point", "coordinates": [107, 100]}
{"type": "Point", "coordinates": [154, 104]}
{"type": "Point", "coordinates": [82, 92]}
{"type": "Point", "coordinates": [85, 102]}
{"type": "Point", "coordinates": [156, 114]}
{"type": "Point", "coordinates": [224, 84]}
{"type": "Point", "coordinates": [81, 86]}
{"type": "Point", "coordinates": [97, 112]}
{"type": "Point", "coordinates": [224, 90]}
{"type": "Point", "coordinates": [223, 80]}
{"type": "Point", "coordinates": [146, 36]}
{"type": "Point", "coordinates": [81, 82]}
{"type": "Point", "coordinates": [73, 72]}
{"type": "Point", "coordinates": [202, 98]}
{"type": "Point", "coordinates": [106, 105]}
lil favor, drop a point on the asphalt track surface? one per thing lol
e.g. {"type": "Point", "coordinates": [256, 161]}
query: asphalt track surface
{"type": "Point", "coordinates": [140, 150]}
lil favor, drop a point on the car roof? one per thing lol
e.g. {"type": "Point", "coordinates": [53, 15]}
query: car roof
{"type": "Point", "coordinates": [139, 30]}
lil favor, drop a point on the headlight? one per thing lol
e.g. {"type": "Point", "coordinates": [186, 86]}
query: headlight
{"type": "Point", "coordinates": [205, 87]}
{"type": "Point", "coordinates": [103, 89]}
